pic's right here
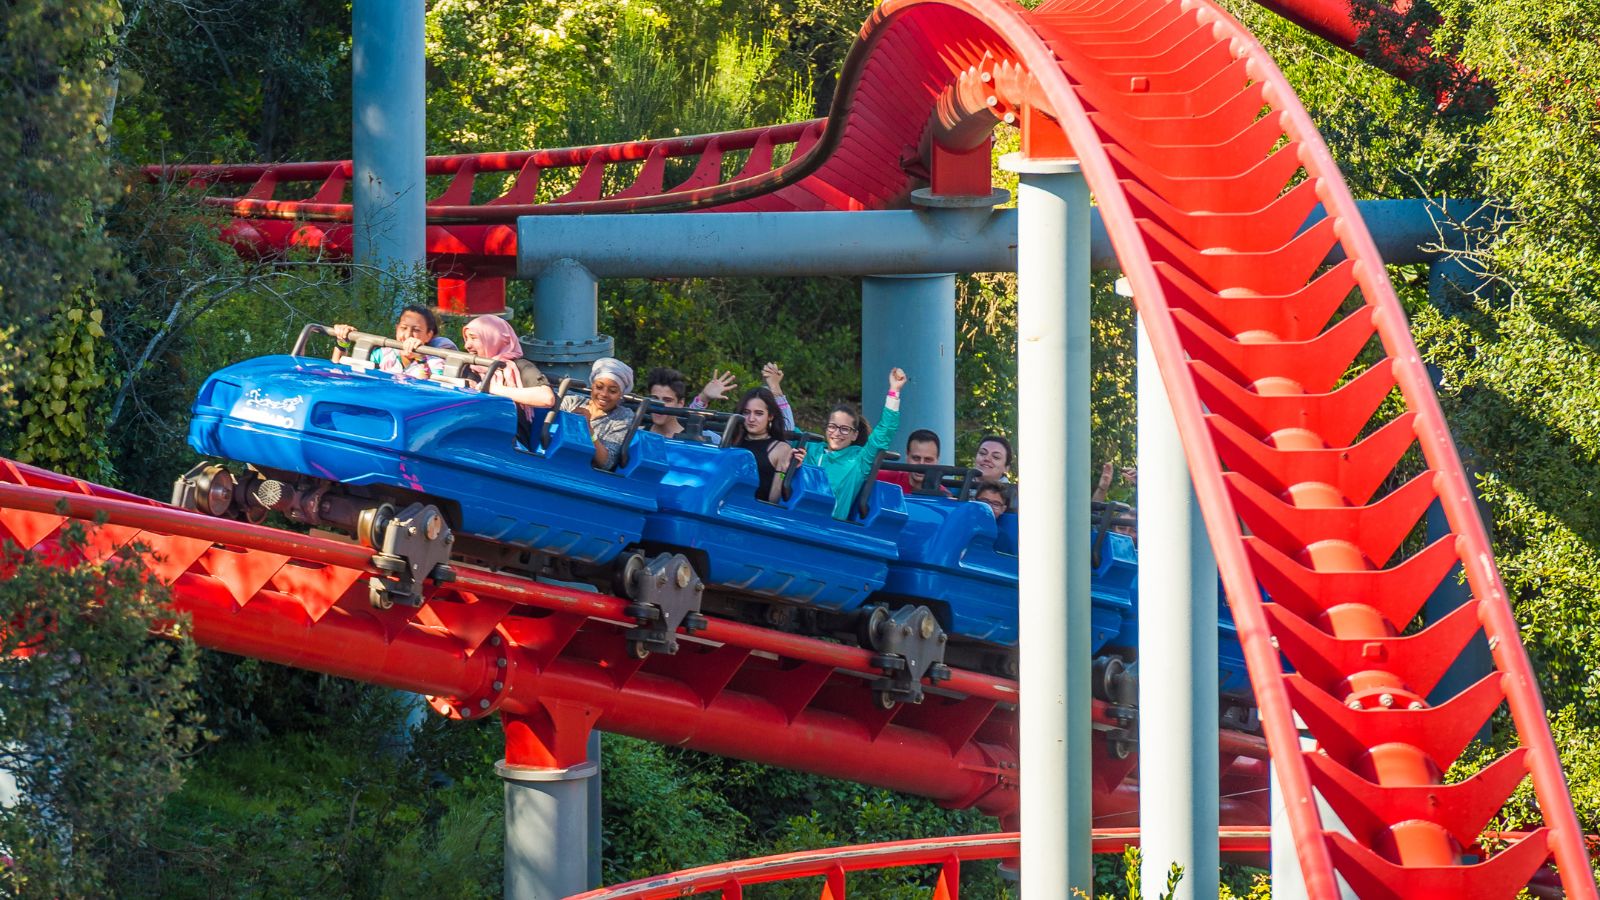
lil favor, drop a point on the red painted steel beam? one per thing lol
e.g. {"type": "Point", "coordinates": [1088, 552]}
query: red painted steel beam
{"type": "Point", "coordinates": [339, 633]}
{"type": "Point", "coordinates": [947, 852]}
{"type": "Point", "coordinates": [736, 690]}
{"type": "Point", "coordinates": [1334, 22]}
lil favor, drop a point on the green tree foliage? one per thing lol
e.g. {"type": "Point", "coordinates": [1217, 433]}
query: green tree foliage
{"type": "Point", "coordinates": [63, 406]}
{"type": "Point", "coordinates": [98, 716]}
{"type": "Point", "coordinates": [325, 807]}
{"type": "Point", "coordinates": [54, 254]}
{"type": "Point", "coordinates": [669, 809]}
{"type": "Point", "coordinates": [516, 75]}
{"type": "Point", "coordinates": [1521, 355]}
{"type": "Point", "coordinates": [232, 81]}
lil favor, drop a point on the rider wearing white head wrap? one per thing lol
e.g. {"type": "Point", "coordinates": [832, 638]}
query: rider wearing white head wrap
{"type": "Point", "coordinates": [615, 369]}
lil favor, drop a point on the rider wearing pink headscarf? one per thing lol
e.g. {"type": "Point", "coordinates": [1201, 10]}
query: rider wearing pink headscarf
{"type": "Point", "coordinates": [519, 379]}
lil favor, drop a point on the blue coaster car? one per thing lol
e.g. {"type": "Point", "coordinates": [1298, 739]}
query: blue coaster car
{"type": "Point", "coordinates": [1113, 583]}
{"type": "Point", "coordinates": [1233, 678]}
{"type": "Point", "coordinates": [794, 550]}
{"type": "Point", "coordinates": [371, 429]}
{"type": "Point", "coordinates": [1113, 586]}
{"type": "Point", "coordinates": [948, 556]}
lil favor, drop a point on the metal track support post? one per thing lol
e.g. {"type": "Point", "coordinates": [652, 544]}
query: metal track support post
{"type": "Point", "coordinates": [566, 317]}
{"type": "Point", "coordinates": [1452, 285]}
{"type": "Point", "coordinates": [1053, 453]}
{"type": "Point", "coordinates": [547, 853]}
{"type": "Point", "coordinates": [1178, 728]}
{"type": "Point", "coordinates": [596, 836]}
{"type": "Point", "coordinates": [387, 186]}
{"type": "Point", "coordinates": [910, 321]}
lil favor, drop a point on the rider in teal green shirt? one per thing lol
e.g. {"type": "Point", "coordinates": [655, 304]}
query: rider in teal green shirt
{"type": "Point", "coordinates": [847, 462]}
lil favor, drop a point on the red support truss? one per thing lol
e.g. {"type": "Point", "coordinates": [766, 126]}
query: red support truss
{"type": "Point", "coordinates": [554, 662]}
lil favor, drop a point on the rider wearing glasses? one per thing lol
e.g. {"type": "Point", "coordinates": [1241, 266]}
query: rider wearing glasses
{"type": "Point", "coordinates": [851, 445]}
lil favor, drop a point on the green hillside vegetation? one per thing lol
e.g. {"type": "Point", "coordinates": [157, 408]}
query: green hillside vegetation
{"type": "Point", "coordinates": [117, 300]}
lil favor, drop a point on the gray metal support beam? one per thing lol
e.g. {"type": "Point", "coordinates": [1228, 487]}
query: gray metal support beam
{"type": "Point", "coordinates": [910, 321]}
{"type": "Point", "coordinates": [596, 837]}
{"type": "Point", "coordinates": [876, 242]}
{"type": "Point", "coordinates": [1451, 284]}
{"type": "Point", "coordinates": [1178, 728]}
{"type": "Point", "coordinates": [388, 102]}
{"type": "Point", "coordinates": [388, 190]}
{"type": "Point", "coordinates": [1053, 452]}
{"type": "Point", "coordinates": [566, 316]}
{"type": "Point", "coordinates": [547, 830]}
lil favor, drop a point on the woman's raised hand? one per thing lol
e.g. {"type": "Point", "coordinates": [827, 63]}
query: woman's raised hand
{"type": "Point", "coordinates": [719, 386]}
{"type": "Point", "coordinates": [897, 379]}
{"type": "Point", "coordinates": [773, 377]}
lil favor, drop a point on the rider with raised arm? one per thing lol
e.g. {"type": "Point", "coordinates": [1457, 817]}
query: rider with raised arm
{"type": "Point", "coordinates": [851, 445]}
{"type": "Point", "coordinates": [721, 383]}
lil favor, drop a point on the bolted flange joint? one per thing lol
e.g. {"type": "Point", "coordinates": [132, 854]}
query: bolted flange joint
{"type": "Point", "coordinates": [492, 690]}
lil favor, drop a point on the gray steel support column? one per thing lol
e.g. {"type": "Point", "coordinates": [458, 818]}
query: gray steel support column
{"type": "Point", "coordinates": [566, 316]}
{"type": "Point", "coordinates": [547, 830]}
{"type": "Point", "coordinates": [1451, 284]}
{"type": "Point", "coordinates": [871, 242]}
{"type": "Point", "coordinates": [910, 321]}
{"type": "Point", "coordinates": [1053, 457]}
{"type": "Point", "coordinates": [388, 139]}
{"type": "Point", "coordinates": [1178, 728]}
{"type": "Point", "coordinates": [596, 838]}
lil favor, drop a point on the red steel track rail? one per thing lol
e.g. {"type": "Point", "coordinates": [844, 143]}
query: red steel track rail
{"type": "Point", "coordinates": [833, 865]}
{"type": "Point", "coordinates": [475, 198]}
{"type": "Point", "coordinates": [1204, 165]}
{"type": "Point", "coordinates": [553, 662]}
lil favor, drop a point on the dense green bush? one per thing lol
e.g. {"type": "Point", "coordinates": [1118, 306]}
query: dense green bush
{"type": "Point", "coordinates": [97, 719]}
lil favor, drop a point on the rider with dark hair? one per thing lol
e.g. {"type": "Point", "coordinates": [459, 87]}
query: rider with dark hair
{"type": "Point", "coordinates": [759, 429]}
{"type": "Point", "coordinates": [993, 458]}
{"type": "Point", "coordinates": [668, 387]}
{"type": "Point", "coordinates": [998, 497]}
{"type": "Point", "coordinates": [417, 326]}
{"type": "Point", "coordinates": [922, 449]}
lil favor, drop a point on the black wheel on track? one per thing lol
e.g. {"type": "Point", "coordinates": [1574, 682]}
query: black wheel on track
{"type": "Point", "coordinates": [871, 623]}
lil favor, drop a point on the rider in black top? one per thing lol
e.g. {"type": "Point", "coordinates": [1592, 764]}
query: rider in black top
{"type": "Point", "coordinates": [759, 429]}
